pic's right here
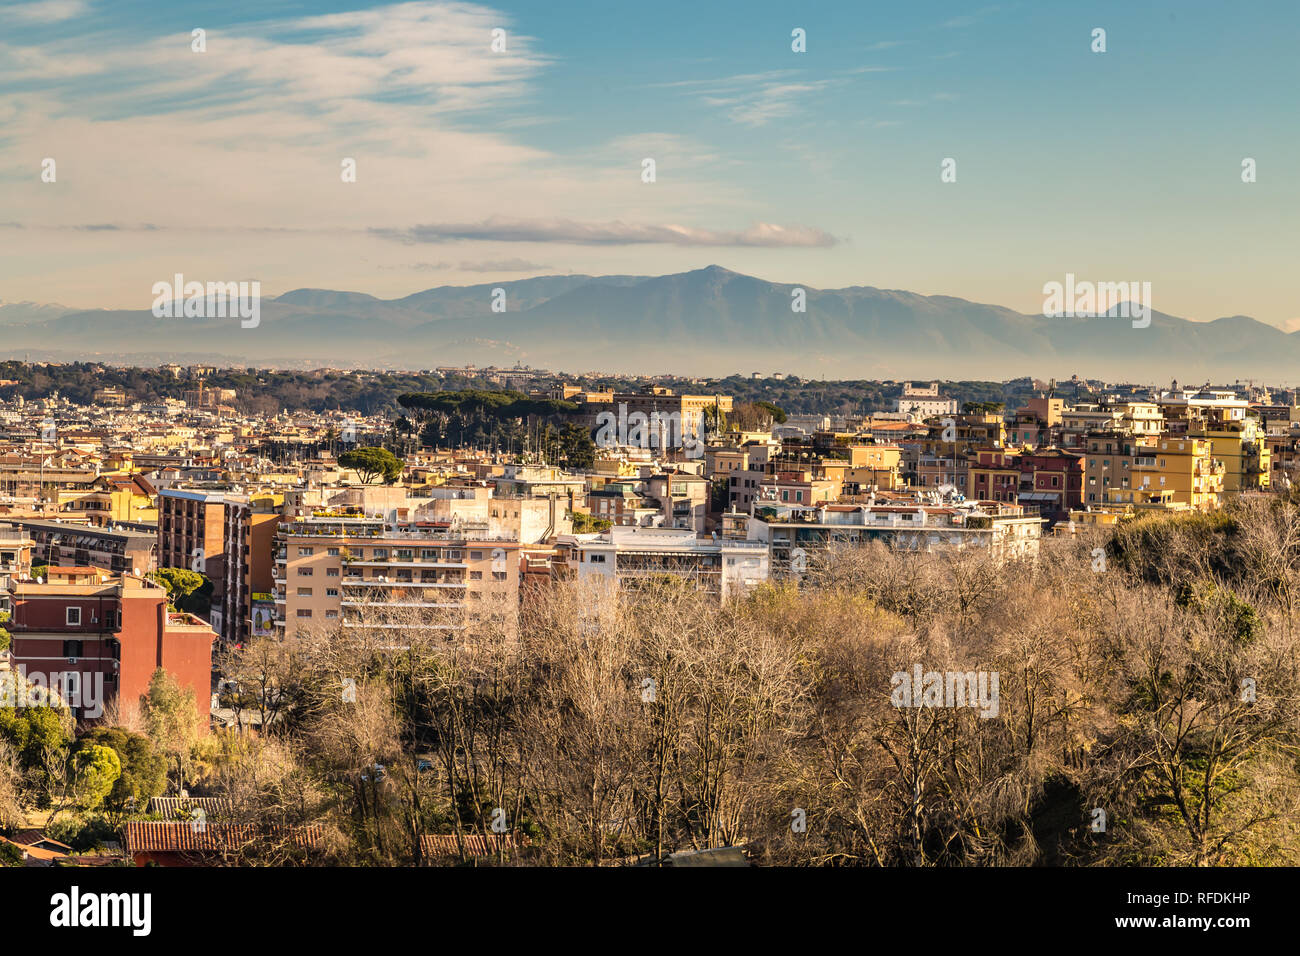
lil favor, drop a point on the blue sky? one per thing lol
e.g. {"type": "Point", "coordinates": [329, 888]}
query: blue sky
{"type": "Point", "coordinates": [819, 167]}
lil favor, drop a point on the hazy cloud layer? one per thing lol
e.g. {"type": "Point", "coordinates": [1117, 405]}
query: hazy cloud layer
{"type": "Point", "coordinates": [609, 233]}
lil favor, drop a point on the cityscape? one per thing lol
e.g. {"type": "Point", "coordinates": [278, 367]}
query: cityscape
{"type": "Point", "coordinates": [446, 442]}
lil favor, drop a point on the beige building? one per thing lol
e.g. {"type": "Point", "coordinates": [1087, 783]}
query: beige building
{"type": "Point", "coordinates": [451, 558]}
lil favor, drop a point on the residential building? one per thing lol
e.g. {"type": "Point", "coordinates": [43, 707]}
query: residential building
{"type": "Point", "coordinates": [99, 638]}
{"type": "Point", "coordinates": [634, 557]}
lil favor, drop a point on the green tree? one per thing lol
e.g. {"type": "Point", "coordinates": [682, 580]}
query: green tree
{"type": "Point", "coordinates": [171, 719]}
{"type": "Point", "coordinates": [5, 636]}
{"type": "Point", "coordinates": [180, 583]}
{"type": "Point", "coordinates": [94, 771]}
{"type": "Point", "coordinates": [373, 464]}
{"type": "Point", "coordinates": [144, 769]}
{"type": "Point", "coordinates": [35, 731]}
{"type": "Point", "coordinates": [584, 523]}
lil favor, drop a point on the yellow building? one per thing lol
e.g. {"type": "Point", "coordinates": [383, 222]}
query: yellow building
{"type": "Point", "coordinates": [112, 498]}
{"type": "Point", "coordinates": [1179, 464]}
{"type": "Point", "coordinates": [1242, 447]}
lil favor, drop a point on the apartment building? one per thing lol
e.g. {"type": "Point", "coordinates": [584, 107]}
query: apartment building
{"type": "Point", "coordinates": [623, 503]}
{"type": "Point", "coordinates": [682, 499]}
{"type": "Point", "coordinates": [191, 534]}
{"type": "Point", "coordinates": [15, 559]}
{"type": "Point", "coordinates": [1109, 457]}
{"type": "Point", "coordinates": [347, 570]}
{"type": "Point", "coordinates": [1182, 466]}
{"type": "Point", "coordinates": [798, 487]}
{"type": "Point", "coordinates": [651, 410]}
{"type": "Point", "coordinates": [1051, 481]}
{"type": "Point", "coordinates": [1039, 423]}
{"type": "Point", "coordinates": [993, 474]}
{"type": "Point", "coordinates": [1243, 447]}
{"type": "Point", "coordinates": [635, 557]}
{"type": "Point", "coordinates": [251, 524]}
{"type": "Point", "coordinates": [792, 533]}
{"type": "Point", "coordinates": [120, 550]}
{"type": "Point", "coordinates": [99, 637]}
{"type": "Point", "coordinates": [109, 499]}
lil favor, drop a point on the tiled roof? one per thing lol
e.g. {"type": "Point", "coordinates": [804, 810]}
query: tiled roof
{"type": "Point", "coordinates": [213, 807]}
{"type": "Point", "coordinates": [476, 844]}
{"type": "Point", "coordinates": [181, 837]}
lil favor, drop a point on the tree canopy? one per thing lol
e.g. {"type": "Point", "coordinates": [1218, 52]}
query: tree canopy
{"type": "Point", "coordinates": [373, 464]}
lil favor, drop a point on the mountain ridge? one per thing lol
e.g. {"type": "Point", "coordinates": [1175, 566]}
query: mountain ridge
{"type": "Point", "coordinates": [708, 321]}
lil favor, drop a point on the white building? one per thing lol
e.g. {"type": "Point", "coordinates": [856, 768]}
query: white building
{"type": "Point", "coordinates": [631, 556]}
{"type": "Point", "coordinates": [924, 401]}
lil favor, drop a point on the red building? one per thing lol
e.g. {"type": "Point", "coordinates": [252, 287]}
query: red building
{"type": "Point", "coordinates": [1051, 480]}
{"type": "Point", "coordinates": [99, 637]}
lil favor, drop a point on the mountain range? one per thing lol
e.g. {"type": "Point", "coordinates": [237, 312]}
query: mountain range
{"type": "Point", "coordinates": [708, 322]}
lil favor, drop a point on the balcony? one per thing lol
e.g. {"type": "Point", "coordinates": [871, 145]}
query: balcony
{"type": "Point", "coordinates": [381, 583]}
{"type": "Point", "coordinates": [347, 602]}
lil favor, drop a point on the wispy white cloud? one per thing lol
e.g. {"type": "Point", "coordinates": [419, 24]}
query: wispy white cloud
{"type": "Point", "coordinates": [504, 265]}
{"type": "Point", "coordinates": [45, 11]}
{"type": "Point", "coordinates": [608, 233]}
{"type": "Point", "coordinates": [233, 157]}
{"type": "Point", "coordinates": [752, 99]}
{"type": "Point", "coordinates": [969, 19]}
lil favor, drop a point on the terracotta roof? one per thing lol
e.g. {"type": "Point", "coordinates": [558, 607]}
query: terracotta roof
{"type": "Point", "coordinates": [36, 837]}
{"type": "Point", "coordinates": [172, 806]}
{"type": "Point", "coordinates": [181, 837]}
{"type": "Point", "coordinates": [476, 844]}
{"type": "Point", "coordinates": [35, 854]}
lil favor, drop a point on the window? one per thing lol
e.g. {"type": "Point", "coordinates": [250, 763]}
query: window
{"type": "Point", "coordinates": [302, 552]}
{"type": "Point", "coordinates": [331, 572]}
{"type": "Point", "coordinates": [476, 555]}
{"type": "Point", "coordinates": [331, 615]}
{"type": "Point", "coordinates": [428, 554]}
{"type": "Point", "coordinates": [304, 592]}
{"type": "Point", "coordinates": [73, 616]}
{"type": "Point", "coordinates": [331, 592]}
{"type": "Point", "coordinates": [500, 575]}
{"type": "Point", "coordinates": [304, 612]}
{"type": "Point", "coordinates": [72, 648]}
{"type": "Point", "coordinates": [304, 572]}
{"type": "Point", "coordinates": [476, 575]}
{"type": "Point", "coordinates": [381, 554]}
{"type": "Point", "coordinates": [333, 552]}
